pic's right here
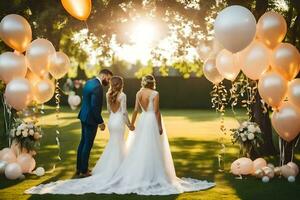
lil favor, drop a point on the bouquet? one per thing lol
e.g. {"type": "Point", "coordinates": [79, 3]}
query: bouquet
{"type": "Point", "coordinates": [27, 135]}
{"type": "Point", "coordinates": [249, 137]}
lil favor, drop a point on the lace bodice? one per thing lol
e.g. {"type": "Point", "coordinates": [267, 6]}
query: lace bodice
{"type": "Point", "coordinates": [122, 108]}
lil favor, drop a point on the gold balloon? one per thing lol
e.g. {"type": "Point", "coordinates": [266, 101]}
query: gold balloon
{"type": "Point", "coordinates": [33, 79]}
{"type": "Point", "coordinates": [18, 93]}
{"type": "Point", "coordinates": [294, 92]}
{"type": "Point", "coordinates": [259, 163]}
{"type": "Point", "coordinates": [227, 64]}
{"type": "Point", "coordinates": [272, 87]}
{"type": "Point", "coordinates": [210, 71]}
{"type": "Point", "coordinates": [43, 91]}
{"type": "Point", "coordinates": [80, 9]}
{"type": "Point", "coordinates": [12, 66]}
{"type": "Point", "coordinates": [286, 121]}
{"type": "Point", "coordinates": [271, 29]}
{"type": "Point", "coordinates": [259, 173]}
{"type": "Point", "coordinates": [268, 172]}
{"type": "Point", "coordinates": [255, 60]}
{"type": "Point", "coordinates": [277, 171]}
{"type": "Point", "coordinates": [60, 64]}
{"type": "Point", "coordinates": [16, 32]}
{"type": "Point", "coordinates": [285, 60]}
{"type": "Point", "coordinates": [38, 55]}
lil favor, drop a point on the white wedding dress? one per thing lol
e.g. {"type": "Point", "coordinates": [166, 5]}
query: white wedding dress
{"type": "Point", "coordinates": [147, 168]}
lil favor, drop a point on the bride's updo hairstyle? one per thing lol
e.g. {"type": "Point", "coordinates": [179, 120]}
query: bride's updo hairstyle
{"type": "Point", "coordinates": [115, 88]}
{"type": "Point", "coordinates": [148, 81]}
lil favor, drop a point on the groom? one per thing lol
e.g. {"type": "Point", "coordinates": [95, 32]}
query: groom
{"type": "Point", "coordinates": [91, 119]}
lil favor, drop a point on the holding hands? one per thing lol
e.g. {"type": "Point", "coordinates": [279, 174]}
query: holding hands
{"type": "Point", "coordinates": [102, 126]}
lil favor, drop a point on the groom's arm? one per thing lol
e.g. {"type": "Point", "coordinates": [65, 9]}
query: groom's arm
{"type": "Point", "coordinates": [96, 104]}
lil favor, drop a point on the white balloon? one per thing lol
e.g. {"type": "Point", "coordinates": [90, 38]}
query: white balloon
{"type": "Point", "coordinates": [13, 171]}
{"type": "Point", "coordinates": [235, 28]}
{"type": "Point", "coordinates": [265, 179]}
{"type": "Point", "coordinates": [291, 179]}
{"type": "Point", "coordinates": [40, 171]}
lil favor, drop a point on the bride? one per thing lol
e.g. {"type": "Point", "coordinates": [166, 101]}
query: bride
{"type": "Point", "coordinates": [146, 169]}
{"type": "Point", "coordinates": [113, 153]}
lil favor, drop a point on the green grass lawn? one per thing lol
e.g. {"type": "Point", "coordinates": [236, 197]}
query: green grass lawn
{"type": "Point", "coordinates": [193, 135]}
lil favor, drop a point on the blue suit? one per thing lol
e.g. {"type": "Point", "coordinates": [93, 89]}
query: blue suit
{"type": "Point", "coordinates": [90, 117]}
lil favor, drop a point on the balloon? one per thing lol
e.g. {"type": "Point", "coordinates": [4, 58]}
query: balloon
{"type": "Point", "coordinates": [268, 172]}
{"type": "Point", "coordinates": [259, 173]}
{"type": "Point", "coordinates": [34, 79]}
{"type": "Point", "coordinates": [38, 55]}
{"type": "Point", "coordinates": [32, 165]}
{"type": "Point", "coordinates": [3, 165]}
{"type": "Point", "coordinates": [259, 163]}
{"type": "Point", "coordinates": [3, 151]}
{"type": "Point", "coordinates": [74, 101]}
{"type": "Point", "coordinates": [242, 166]}
{"type": "Point", "coordinates": [271, 29]}
{"type": "Point", "coordinates": [227, 65]}
{"type": "Point", "coordinates": [43, 91]}
{"type": "Point", "coordinates": [24, 160]}
{"type": "Point", "coordinates": [285, 60]}
{"type": "Point", "coordinates": [60, 64]}
{"type": "Point", "coordinates": [255, 60]}
{"type": "Point", "coordinates": [40, 171]}
{"type": "Point", "coordinates": [80, 9]}
{"type": "Point", "coordinates": [235, 28]}
{"type": "Point", "coordinates": [211, 73]}
{"type": "Point", "coordinates": [277, 171]}
{"type": "Point", "coordinates": [286, 121]}
{"type": "Point", "coordinates": [16, 32]}
{"type": "Point", "coordinates": [291, 179]}
{"type": "Point", "coordinates": [265, 179]}
{"type": "Point", "coordinates": [294, 166]}
{"type": "Point", "coordinates": [13, 171]}
{"type": "Point", "coordinates": [12, 66]}
{"type": "Point", "coordinates": [204, 50]}
{"type": "Point", "coordinates": [272, 87]}
{"type": "Point", "coordinates": [18, 93]}
{"type": "Point", "coordinates": [271, 166]}
{"type": "Point", "coordinates": [287, 171]}
{"type": "Point", "coordinates": [294, 92]}
{"type": "Point", "coordinates": [8, 156]}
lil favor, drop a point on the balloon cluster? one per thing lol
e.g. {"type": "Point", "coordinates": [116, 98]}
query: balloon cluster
{"type": "Point", "coordinates": [27, 76]}
{"type": "Point", "coordinates": [14, 164]}
{"type": "Point", "coordinates": [257, 50]}
{"type": "Point", "coordinates": [261, 169]}
{"type": "Point", "coordinates": [74, 101]}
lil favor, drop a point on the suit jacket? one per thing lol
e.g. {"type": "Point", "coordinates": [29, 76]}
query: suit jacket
{"type": "Point", "coordinates": [91, 108]}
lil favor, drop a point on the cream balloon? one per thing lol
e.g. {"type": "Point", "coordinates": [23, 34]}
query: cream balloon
{"type": "Point", "coordinates": [271, 29]}
{"type": "Point", "coordinates": [3, 151]}
{"type": "Point", "coordinates": [285, 60]}
{"type": "Point", "coordinates": [210, 71]}
{"type": "Point", "coordinates": [9, 156]}
{"type": "Point", "coordinates": [294, 92]}
{"type": "Point", "coordinates": [272, 87]}
{"type": "Point", "coordinates": [18, 93]}
{"type": "Point", "coordinates": [13, 171]}
{"type": "Point", "coordinates": [60, 64]}
{"type": "Point", "coordinates": [259, 163]}
{"type": "Point", "coordinates": [24, 160]}
{"type": "Point", "coordinates": [12, 66]}
{"type": "Point", "coordinates": [80, 9]}
{"type": "Point", "coordinates": [38, 55]}
{"type": "Point", "coordinates": [286, 121]}
{"type": "Point", "coordinates": [33, 78]}
{"type": "Point", "coordinates": [235, 28]}
{"type": "Point", "coordinates": [294, 166]}
{"type": "Point", "coordinates": [16, 32]}
{"type": "Point", "coordinates": [255, 60]}
{"type": "Point", "coordinates": [43, 91]}
{"type": "Point", "coordinates": [287, 171]}
{"type": "Point", "coordinates": [242, 166]}
{"type": "Point", "coordinates": [227, 65]}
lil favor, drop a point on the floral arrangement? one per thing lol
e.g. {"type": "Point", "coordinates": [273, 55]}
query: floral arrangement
{"type": "Point", "coordinates": [27, 134]}
{"type": "Point", "coordinates": [249, 136]}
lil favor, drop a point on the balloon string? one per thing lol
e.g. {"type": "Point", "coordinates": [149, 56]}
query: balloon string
{"type": "Point", "coordinates": [57, 101]}
{"type": "Point", "coordinates": [86, 25]}
{"type": "Point", "coordinates": [293, 148]}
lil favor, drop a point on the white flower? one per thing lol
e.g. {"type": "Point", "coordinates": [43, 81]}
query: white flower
{"type": "Point", "coordinates": [251, 128]}
{"type": "Point", "coordinates": [31, 132]}
{"type": "Point", "coordinates": [244, 139]}
{"type": "Point", "coordinates": [258, 130]}
{"type": "Point", "coordinates": [25, 133]}
{"type": "Point", "coordinates": [19, 128]}
{"type": "Point", "coordinates": [18, 133]}
{"type": "Point", "coordinates": [23, 126]}
{"type": "Point", "coordinates": [30, 126]}
{"type": "Point", "coordinates": [244, 124]}
{"type": "Point", "coordinates": [242, 135]}
{"type": "Point", "coordinates": [241, 129]}
{"type": "Point", "coordinates": [250, 136]}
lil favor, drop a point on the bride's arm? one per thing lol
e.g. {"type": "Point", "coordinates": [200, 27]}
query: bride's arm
{"type": "Point", "coordinates": [157, 113]}
{"type": "Point", "coordinates": [136, 110]}
{"type": "Point", "coordinates": [124, 111]}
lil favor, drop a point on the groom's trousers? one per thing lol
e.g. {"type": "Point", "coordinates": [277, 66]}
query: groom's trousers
{"type": "Point", "coordinates": [87, 140]}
